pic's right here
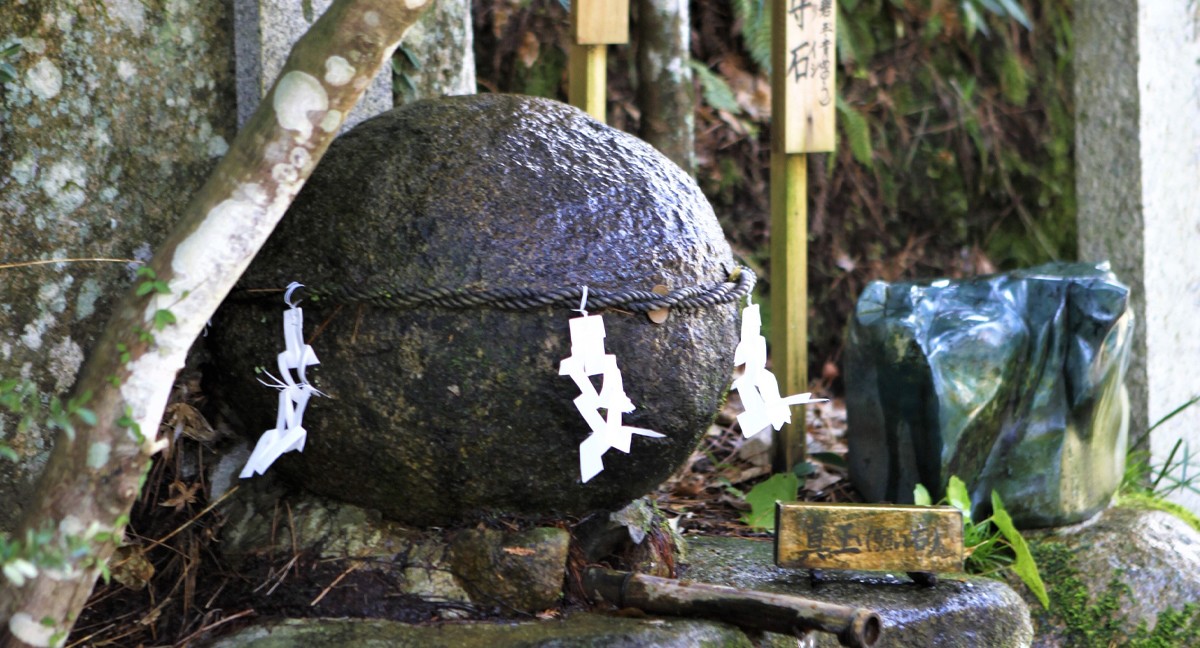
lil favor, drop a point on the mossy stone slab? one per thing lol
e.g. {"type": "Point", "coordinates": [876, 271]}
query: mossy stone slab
{"type": "Point", "coordinates": [960, 611]}
{"type": "Point", "coordinates": [1128, 577]}
{"type": "Point", "coordinates": [581, 630]}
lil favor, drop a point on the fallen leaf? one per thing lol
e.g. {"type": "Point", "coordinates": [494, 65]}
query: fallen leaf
{"type": "Point", "coordinates": [529, 49]}
{"type": "Point", "coordinates": [130, 567]}
{"type": "Point", "coordinates": [189, 421]}
{"type": "Point", "coordinates": [184, 494]}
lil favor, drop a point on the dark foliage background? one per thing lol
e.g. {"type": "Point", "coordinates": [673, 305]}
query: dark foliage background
{"type": "Point", "coordinates": [955, 130]}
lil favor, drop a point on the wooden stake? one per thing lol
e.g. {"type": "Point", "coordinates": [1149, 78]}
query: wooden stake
{"type": "Point", "coordinates": [595, 24]}
{"type": "Point", "coordinates": [803, 33]}
{"type": "Point", "coordinates": [587, 79]}
{"type": "Point", "coordinates": [789, 297]}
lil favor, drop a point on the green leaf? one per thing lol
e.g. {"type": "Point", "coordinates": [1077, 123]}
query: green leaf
{"type": "Point", "coordinates": [829, 459]}
{"type": "Point", "coordinates": [717, 93]}
{"type": "Point", "coordinates": [146, 271]}
{"type": "Point", "coordinates": [921, 496]}
{"type": "Point", "coordinates": [858, 133]}
{"type": "Point", "coordinates": [145, 288]}
{"type": "Point", "coordinates": [779, 488]}
{"type": "Point", "coordinates": [86, 415]}
{"type": "Point", "coordinates": [8, 453]}
{"type": "Point", "coordinates": [1014, 82]}
{"type": "Point", "coordinates": [1015, 11]}
{"type": "Point", "coordinates": [972, 21]}
{"type": "Point", "coordinates": [1024, 567]}
{"type": "Point", "coordinates": [803, 469]}
{"type": "Point", "coordinates": [958, 496]}
{"type": "Point", "coordinates": [163, 318]}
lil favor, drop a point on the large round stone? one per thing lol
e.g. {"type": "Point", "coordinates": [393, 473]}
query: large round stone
{"type": "Point", "coordinates": [437, 415]}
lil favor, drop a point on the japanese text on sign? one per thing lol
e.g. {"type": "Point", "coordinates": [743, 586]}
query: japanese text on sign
{"type": "Point", "coordinates": [809, 74]}
{"type": "Point", "coordinates": [868, 536]}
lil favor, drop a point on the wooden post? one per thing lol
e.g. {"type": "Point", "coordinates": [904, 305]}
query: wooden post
{"type": "Point", "coordinates": [595, 24]}
{"type": "Point", "coordinates": [803, 91]}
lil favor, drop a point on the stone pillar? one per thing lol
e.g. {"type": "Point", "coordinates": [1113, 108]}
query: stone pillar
{"type": "Point", "coordinates": [1137, 96]}
{"type": "Point", "coordinates": [116, 114]}
{"type": "Point", "coordinates": [264, 32]}
{"type": "Point", "coordinates": [437, 56]}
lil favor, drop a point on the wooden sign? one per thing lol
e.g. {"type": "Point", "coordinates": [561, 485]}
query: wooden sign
{"type": "Point", "coordinates": [873, 537]}
{"type": "Point", "coordinates": [805, 69]}
{"type": "Point", "coordinates": [600, 22]}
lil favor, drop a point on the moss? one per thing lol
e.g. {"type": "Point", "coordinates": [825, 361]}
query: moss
{"type": "Point", "coordinates": [1150, 502]}
{"type": "Point", "coordinates": [1089, 620]}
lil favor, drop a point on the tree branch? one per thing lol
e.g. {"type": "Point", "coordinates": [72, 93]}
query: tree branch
{"type": "Point", "coordinates": [83, 498]}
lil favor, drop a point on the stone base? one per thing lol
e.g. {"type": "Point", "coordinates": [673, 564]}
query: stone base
{"type": "Point", "coordinates": [360, 565]}
{"type": "Point", "coordinates": [579, 630]}
{"type": "Point", "coordinates": [343, 547]}
{"type": "Point", "coordinates": [960, 610]}
{"type": "Point", "coordinates": [1126, 577]}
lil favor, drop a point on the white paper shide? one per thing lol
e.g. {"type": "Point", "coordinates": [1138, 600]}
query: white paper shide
{"type": "Point", "coordinates": [757, 386]}
{"type": "Point", "coordinates": [589, 359]}
{"type": "Point", "coordinates": [288, 434]}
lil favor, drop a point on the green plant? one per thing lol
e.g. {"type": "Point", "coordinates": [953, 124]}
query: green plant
{"type": "Point", "coordinates": [17, 396]}
{"type": "Point", "coordinates": [63, 553]}
{"type": "Point", "coordinates": [754, 16]}
{"type": "Point", "coordinates": [781, 487]}
{"type": "Point", "coordinates": [715, 89]}
{"type": "Point", "coordinates": [8, 53]}
{"type": "Point", "coordinates": [993, 544]}
{"type": "Point", "coordinates": [1179, 472]}
{"type": "Point", "coordinates": [1005, 9]}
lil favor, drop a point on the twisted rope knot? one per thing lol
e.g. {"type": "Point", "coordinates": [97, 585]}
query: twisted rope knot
{"type": "Point", "coordinates": [737, 285]}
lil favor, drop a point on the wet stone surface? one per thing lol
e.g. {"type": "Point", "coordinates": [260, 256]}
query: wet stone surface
{"type": "Point", "coordinates": [439, 415]}
{"type": "Point", "coordinates": [960, 610]}
{"type": "Point", "coordinates": [579, 630]}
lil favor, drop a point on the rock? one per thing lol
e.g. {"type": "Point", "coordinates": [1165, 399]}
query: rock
{"type": "Point", "coordinates": [510, 570]}
{"type": "Point", "coordinates": [637, 538]}
{"type": "Point", "coordinates": [437, 415]}
{"type": "Point", "coordinates": [580, 630]}
{"type": "Point", "coordinates": [1128, 575]}
{"type": "Point", "coordinates": [960, 610]}
{"type": "Point", "coordinates": [117, 113]}
{"type": "Point", "coordinates": [525, 569]}
{"type": "Point", "coordinates": [1012, 382]}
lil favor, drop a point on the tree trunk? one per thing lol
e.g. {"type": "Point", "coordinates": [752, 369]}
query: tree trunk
{"type": "Point", "coordinates": [665, 93]}
{"type": "Point", "coordinates": [84, 496]}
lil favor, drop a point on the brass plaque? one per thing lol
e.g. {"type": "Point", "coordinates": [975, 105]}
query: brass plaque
{"type": "Point", "coordinates": [872, 537]}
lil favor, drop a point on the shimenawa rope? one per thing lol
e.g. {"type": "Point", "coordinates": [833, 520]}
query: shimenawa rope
{"type": "Point", "coordinates": [736, 286]}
